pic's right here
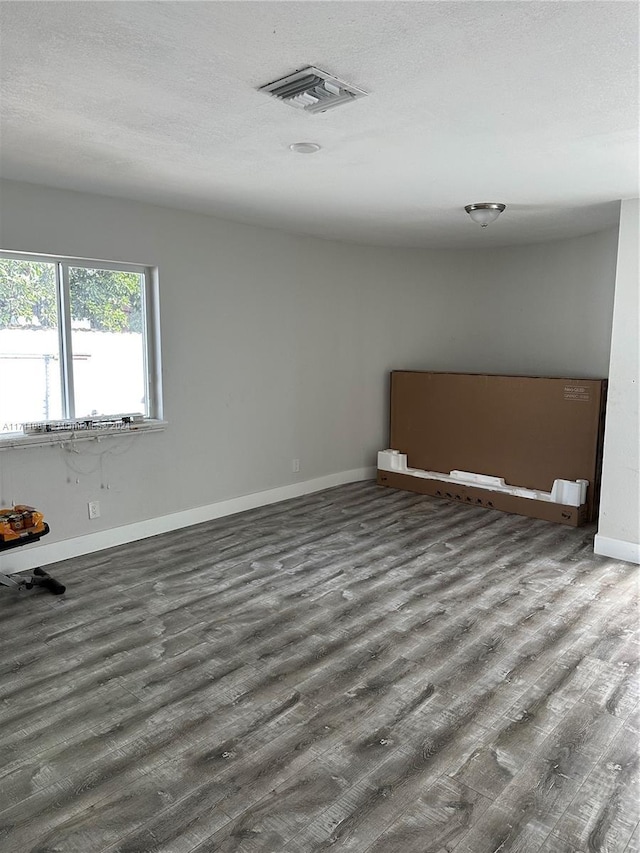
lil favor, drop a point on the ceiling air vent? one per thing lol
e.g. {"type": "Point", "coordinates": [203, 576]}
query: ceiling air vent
{"type": "Point", "coordinates": [312, 90]}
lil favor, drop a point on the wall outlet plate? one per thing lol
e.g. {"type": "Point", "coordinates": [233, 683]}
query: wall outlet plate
{"type": "Point", "coordinates": [94, 509]}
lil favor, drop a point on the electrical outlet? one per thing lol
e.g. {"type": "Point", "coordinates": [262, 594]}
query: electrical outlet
{"type": "Point", "coordinates": [295, 466]}
{"type": "Point", "coordinates": [94, 509]}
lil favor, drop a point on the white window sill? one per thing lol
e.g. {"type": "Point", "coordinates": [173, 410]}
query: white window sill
{"type": "Point", "coordinates": [13, 440]}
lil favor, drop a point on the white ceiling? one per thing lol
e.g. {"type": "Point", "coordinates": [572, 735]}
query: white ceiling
{"type": "Point", "coordinates": [534, 104]}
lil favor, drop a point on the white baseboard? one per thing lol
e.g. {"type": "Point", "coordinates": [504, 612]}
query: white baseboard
{"type": "Point", "coordinates": [43, 554]}
{"type": "Point", "coordinates": [617, 548]}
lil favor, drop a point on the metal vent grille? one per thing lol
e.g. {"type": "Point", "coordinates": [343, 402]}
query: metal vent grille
{"type": "Point", "coordinates": [312, 90]}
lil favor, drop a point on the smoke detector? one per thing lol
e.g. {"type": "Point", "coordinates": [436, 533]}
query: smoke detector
{"type": "Point", "coordinates": [312, 90]}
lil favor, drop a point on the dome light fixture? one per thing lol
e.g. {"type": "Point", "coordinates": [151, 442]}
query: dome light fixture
{"type": "Point", "coordinates": [485, 212]}
{"type": "Point", "coordinates": [305, 147]}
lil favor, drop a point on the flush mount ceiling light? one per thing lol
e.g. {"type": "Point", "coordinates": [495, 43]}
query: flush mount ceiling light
{"type": "Point", "coordinates": [312, 90]}
{"type": "Point", "coordinates": [484, 212]}
{"type": "Point", "coordinates": [305, 147]}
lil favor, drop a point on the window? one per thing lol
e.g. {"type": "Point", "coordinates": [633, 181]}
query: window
{"type": "Point", "coordinates": [78, 341]}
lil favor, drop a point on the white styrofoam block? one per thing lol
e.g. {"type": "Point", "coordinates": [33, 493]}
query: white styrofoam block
{"type": "Point", "coordinates": [479, 479]}
{"type": "Point", "coordinates": [569, 492]}
{"type": "Point", "coordinates": [584, 485]}
{"type": "Point", "coordinates": [392, 460]}
{"type": "Point", "coordinates": [566, 492]}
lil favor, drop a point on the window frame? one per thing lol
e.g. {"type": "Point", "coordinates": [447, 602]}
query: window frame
{"type": "Point", "coordinates": [152, 364]}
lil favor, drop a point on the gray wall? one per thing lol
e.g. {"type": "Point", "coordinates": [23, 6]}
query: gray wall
{"type": "Point", "coordinates": [277, 346]}
{"type": "Point", "coordinates": [542, 309]}
{"type": "Point", "coordinates": [619, 523]}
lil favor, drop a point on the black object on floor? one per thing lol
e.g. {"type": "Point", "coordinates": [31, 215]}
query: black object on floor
{"type": "Point", "coordinates": [44, 579]}
{"type": "Point", "coordinates": [39, 576]}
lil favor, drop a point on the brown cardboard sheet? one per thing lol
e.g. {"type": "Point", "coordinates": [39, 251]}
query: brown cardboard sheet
{"type": "Point", "coordinates": [528, 430]}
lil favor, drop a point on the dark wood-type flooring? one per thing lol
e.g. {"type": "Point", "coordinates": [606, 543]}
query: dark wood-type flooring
{"type": "Point", "coordinates": [357, 670]}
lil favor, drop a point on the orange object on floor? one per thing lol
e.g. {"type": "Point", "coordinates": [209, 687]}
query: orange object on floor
{"type": "Point", "coordinates": [20, 522]}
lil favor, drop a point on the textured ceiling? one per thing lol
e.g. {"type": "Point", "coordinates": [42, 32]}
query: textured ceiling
{"type": "Point", "coordinates": [534, 104]}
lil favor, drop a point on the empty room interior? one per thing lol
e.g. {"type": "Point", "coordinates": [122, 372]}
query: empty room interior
{"type": "Point", "coordinates": [319, 395]}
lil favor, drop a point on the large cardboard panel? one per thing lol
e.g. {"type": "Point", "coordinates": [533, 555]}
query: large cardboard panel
{"type": "Point", "coordinates": [529, 430]}
{"type": "Point", "coordinates": [574, 516]}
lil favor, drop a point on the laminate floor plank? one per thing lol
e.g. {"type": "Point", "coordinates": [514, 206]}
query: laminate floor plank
{"type": "Point", "coordinates": [500, 831]}
{"type": "Point", "coordinates": [436, 820]}
{"type": "Point", "coordinates": [382, 783]}
{"type": "Point", "coordinates": [360, 669]}
{"type": "Point", "coordinates": [634, 842]}
{"type": "Point", "coordinates": [603, 814]}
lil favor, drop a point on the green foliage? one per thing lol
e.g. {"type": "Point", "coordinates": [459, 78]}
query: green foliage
{"type": "Point", "coordinates": [27, 290]}
{"type": "Point", "coordinates": [109, 299]}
